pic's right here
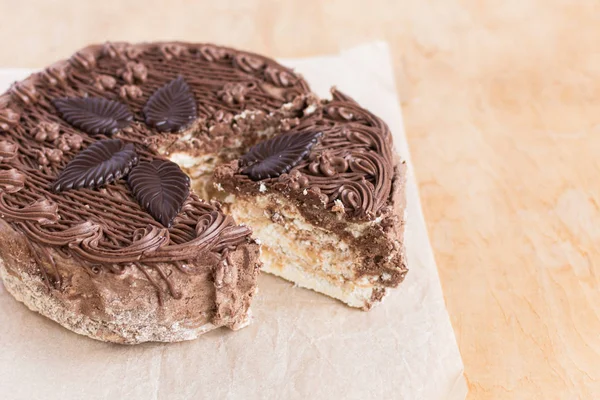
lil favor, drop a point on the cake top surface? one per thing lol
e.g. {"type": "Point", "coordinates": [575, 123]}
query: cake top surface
{"type": "Point", "coordinates": [84, 146]}
{"type": "Point", "coordinates": [43, 128]}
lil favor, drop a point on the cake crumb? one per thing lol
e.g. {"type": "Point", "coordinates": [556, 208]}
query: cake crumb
{"type": "Point", "coordinates": [262, 188]}
{"type": "Point", "coordinates": [277, 218]}
{"type": "Point", "coordinates": [338, 207]}
{"type": "Point", "coordinates": [386, 276]}
{"type": "Point", "coordinates": [310, 109]}
{"type": "Point", "coordinates": [241, 115]}
{"type": "Point", "coordinates": [305, 192]}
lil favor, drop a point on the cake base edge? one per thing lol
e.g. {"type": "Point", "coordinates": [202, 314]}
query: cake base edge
{"type": "Point", "coordinates": [363, 298]}
{"type": "Point", "coordinates": [42, 304]}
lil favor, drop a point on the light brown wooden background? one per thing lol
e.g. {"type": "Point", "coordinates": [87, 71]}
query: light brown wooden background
{"type": "Point", "coordinates": [502, 110]}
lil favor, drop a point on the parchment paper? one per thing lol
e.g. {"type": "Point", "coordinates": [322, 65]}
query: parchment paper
{"type": "Point", "coordinates": [302, 345]}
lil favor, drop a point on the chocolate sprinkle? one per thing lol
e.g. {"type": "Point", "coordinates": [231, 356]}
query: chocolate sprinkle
{"type": "Point", "coordinates": [94, 115]}
{"type": "Point", "coordinates": [278, 155]}
{"type": "Point", "coordinates": [172, 107]}
{"type": "Point", "coordinates": [101, 163]}
{"type": "Point", "coordinates": [160, 187]}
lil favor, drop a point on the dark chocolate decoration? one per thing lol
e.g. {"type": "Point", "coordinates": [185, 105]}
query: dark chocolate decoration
{"type": "Point", "coordinates": [160, 187]}
{"type": "Point", "coordinates": [101, 163]}
{"type": "Point", "coordinates": [172, 107]}
{"type": "Point", "coordinates": [277, 155]}
{"type": "Point", "coordinates": [94, 115]}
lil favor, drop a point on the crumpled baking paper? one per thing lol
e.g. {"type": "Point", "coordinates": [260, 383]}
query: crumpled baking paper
{"type": "Point", "coordinates": [302, 345]}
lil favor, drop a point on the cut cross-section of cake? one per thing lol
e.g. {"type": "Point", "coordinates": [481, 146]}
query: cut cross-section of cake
{"type": "Point", "coordinates": [326, 200]}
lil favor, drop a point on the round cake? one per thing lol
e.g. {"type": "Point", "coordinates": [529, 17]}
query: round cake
{"type": "Point", "coordinates": [132, 178]}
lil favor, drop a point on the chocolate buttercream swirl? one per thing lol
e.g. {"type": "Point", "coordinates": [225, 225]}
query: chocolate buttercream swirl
{"type": "Point", "coordinates": [41, 211]}
{"type": "Point", "coordinates": [58, 235]}
{"type": "Point", "coordinates": [170, 50]}
{"type": "Point", "coordinates": [113, 50]}
{"type": "Point", "coordinates": [221, 231]}
{"type": "Point", "coordinates": [214, 53]}
{"type": "Point", "coordinates": [248, 63]}
{"type": "Point", "coordinates": [92, 248]}
{"type": "Point", "coordinates": [233, 93]}
{"type": "Point", "coordinates": [133, 71]}
{"type": "Point", "coordinates": [46, 131]}
{"type": "Point", "coordinates": [11, 180]}
{"type": "Point", "coordinates": [8, 118]}
{"type": "Point", "coordinates": [132, 92]}
{"type": "Point", "coordinates": [340, 112]}
{"type": "Point", "coordinates": [25, 91]}
{"type": "Point", "coordinates": [105, 82]}
{"type": "Point", "coordinates": [209, 225]}
{"type": "Point", "coordinates": [85, 59]}
{"type": "Point", "coordinates": [231, 237]}
{"type": "Point", "coordinates": [8, 150]}
{"type": "Point", "coordinates": [328, 165]}
{"type": "Point", "coordinates": [357, 197]}
{"type": "Point", "coordinates": [279, 77]}
{"type": "Point", "coordinates": [54, 74]}
{"type": "Point", "coordinates": [123, 51]}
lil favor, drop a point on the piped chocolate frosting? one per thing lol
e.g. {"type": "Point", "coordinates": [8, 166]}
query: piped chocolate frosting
{"type": "Point", "coordinates": [77, 125]}
{"type": "Point", "coordinates": [139, 95]}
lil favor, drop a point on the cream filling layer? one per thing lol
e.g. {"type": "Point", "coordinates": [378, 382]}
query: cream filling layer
{"type": "Point", "coordinates": [302, 253]}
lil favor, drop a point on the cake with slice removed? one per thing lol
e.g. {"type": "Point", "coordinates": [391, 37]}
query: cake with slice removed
{"type": "Point", "coordinates": [104, 232]}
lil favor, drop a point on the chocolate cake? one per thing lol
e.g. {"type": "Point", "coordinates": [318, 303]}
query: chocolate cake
{"type": "Point", "coordinates": [139, 183]}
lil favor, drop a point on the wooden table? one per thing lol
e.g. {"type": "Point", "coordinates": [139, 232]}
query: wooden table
{"type": "Point", "coordinates": [502, 110]}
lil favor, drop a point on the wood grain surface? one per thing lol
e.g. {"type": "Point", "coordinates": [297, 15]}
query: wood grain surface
{"type": "Point", "coordinates": [502, 109]}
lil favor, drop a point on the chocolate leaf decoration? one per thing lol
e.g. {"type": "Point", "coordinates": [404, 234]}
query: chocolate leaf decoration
{"type": "Point", "coordinates": [277, 155]}
{"type": "Point", "coordinates": [171, 107]}
{"type": "Point", "coordinates": [94, 115]}
{"type": "Point", "coordinates": [101, 163]}
{"type": "Point", "coordinates": [160, 187]}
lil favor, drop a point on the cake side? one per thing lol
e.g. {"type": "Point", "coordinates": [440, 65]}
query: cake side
{"type": "Point", "coordinates": [133, 306]}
